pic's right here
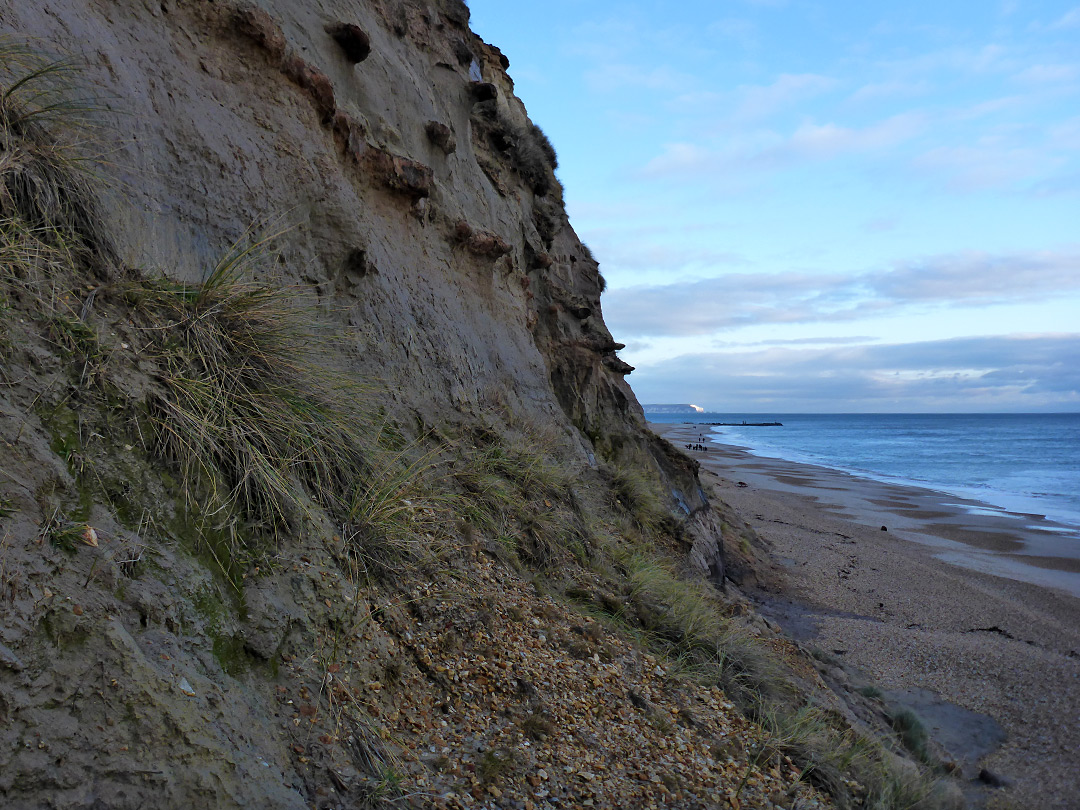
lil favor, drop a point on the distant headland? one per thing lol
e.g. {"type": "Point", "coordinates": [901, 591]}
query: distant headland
{"type": "Point", "coordinates": [673, 409]}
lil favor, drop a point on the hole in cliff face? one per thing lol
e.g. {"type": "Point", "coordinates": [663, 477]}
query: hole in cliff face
{"type": "Point", "coordinates": [462, 52]}
{"type": "Point", "coordinates": [356, 263]}
{"type": "Point", "coordinates": [354, 42]}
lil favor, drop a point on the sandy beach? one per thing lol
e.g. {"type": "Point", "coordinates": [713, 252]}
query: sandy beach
{"type": "Point", "coordinates": [967, 614]}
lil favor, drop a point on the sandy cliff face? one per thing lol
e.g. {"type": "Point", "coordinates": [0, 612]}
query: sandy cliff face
{"type": "Point", "coordinates": [428, 223]}
{"type": "Point", "coordinates": [428, 239]}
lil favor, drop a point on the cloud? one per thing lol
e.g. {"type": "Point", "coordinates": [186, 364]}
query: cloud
{"type": "Point", "coordinates": [766, 150]}
{"type": "Point", "coordinates": [1014, 372]}
{"type": "Point", "coordinates": [979, 277]}
{"type": "Point", "coordinates": [616, 76]}
{"type": "Point", "coordinates": [991, 106]}
{"type": "Point", "coordinates": [1048, 74]}
{"type": "Point", "coordinates": [829, 140]}
{"type": "Point", "coordinates": [761, 101]}
{"type": "Point", "coordinates": [733, 300]}
{"type": "Point", "coordinates": [986, 165]}
{"type": "Point", "coordinates": [1071, 19]}
{"type": "Point", "coordinates": [629, 255]}
{"type": "Point", "coordinates": [889, 90]}
{"type": "Point", "coordinates": [972, 279]}
{"type": "Point", "coordinates": [817, 341]}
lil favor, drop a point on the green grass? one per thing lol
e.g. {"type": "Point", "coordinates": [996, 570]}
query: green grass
{"type": "Point", "coordinates": [62, 533]}
{"type": "Point", "coordinates": [686, 619]}
{"type": "Point", "coordinates": [52, 237]}
{"type": "Point", "coordinates": [912, 733]}
{"type": "Point", "coordinates": [639, 495]}
{"type": "Point", "coordinates": [517, 491]}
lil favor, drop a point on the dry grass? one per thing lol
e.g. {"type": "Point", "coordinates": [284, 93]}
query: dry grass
{"type": "Point", "coordinates": [48, 208]}
{"type": "Point", "coordinates": [398, 512]}
{"type": "Point", "coordinates": [516, 490]}
{"type": "Point", "coordinates": [52, 237]}
{"type": "Point", "coordinates": [688, 621]}
{"type": "Point", "coordinates": [685, 620]}
{"type": "Point", "coordinates": [245, 409]}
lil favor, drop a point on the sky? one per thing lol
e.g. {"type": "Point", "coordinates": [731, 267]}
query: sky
{"type": "Point", "coordinates": [808, 206]}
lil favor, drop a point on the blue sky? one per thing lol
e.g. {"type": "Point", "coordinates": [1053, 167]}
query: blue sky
{"type": "Point", "coordinates": [821, 206]}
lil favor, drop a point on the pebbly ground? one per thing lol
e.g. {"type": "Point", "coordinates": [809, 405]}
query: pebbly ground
{"type": "Point", "coordinates": [953, 642]}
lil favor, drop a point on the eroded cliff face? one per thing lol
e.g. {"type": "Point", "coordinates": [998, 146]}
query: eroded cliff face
{"type": "Point", "coordinates": [427, 220]}
{"type": "Point", "coordinates": [427, 239]}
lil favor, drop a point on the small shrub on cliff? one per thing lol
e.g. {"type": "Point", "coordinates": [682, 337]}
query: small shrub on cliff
{"type": "Point", "coordinates": [912, 733]}
{"type": "Point", "coordinates": [529, 149]}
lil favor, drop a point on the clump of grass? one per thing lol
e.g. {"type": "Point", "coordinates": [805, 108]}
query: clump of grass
{"type": "Point", "coordinates": [51, 233]}
{"type": "Point", "coordinates": [912, 733]}
{"type": "Point", "coordinates": [534, 157]}
{"type": "Point", "coordinates": [49, 216]}
{"type": "Point", "coordinates": [396, 513]}
{"type": "Point", "coordinates": [528, 467]}
{"type": "Point", "coordinates": [537, 727]}
{"type": "Point", "coordinates": [687, 623]}
{"type": "Point", "coordinates": [888, 787]}
{"type": "Point", "coordinates": [74, 336]}
{"type": "Point", "coordinates": [495, 764]}
{"type": "Point", "coordinates": [62, 533]}
{"type": "Point", "coordinates": [690, 627]}
{"type": "Point", "coordinates": [244, 409]}
{"type": "Point", "coordinates": [640, 497]}
{"type": "Point", "coordinates": [516, 489]}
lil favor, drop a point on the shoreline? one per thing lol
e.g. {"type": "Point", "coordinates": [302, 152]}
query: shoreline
{"type": "Point", "coordinates": [972, 605]}
{"type": "Point", "coordinates": [962, 531]}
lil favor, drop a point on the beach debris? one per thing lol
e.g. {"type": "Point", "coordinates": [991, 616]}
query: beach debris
{"type": "Point", "coordinates": [742, 484]}
{"type": "Point", "coordinates": [884, 528]}
{"type": "Point", "coordinates": [90, 537]}
{"type": "Point", "coordinates": [185, 687]}
{"type": "Point", "coordinates": [991, 629]}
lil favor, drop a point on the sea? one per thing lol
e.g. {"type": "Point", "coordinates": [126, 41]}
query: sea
{"type": "Point", "coordinates": [1028, 463]}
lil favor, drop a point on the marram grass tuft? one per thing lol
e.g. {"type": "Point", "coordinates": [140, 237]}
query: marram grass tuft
{"type": "Point", "coordinates": [245, 408]}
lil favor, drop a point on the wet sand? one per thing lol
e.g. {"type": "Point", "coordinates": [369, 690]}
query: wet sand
{"type": "Point", "coordinates": [957, 599]}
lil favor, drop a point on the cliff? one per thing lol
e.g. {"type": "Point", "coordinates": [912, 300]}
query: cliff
{"type": "Point", "coordinates": [321, 482]}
